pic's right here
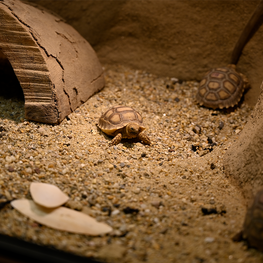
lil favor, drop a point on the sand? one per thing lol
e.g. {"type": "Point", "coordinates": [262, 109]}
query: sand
{"type": "Point", "coordinates": [167, 202]}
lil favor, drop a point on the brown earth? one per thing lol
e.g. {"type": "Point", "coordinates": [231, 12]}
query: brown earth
{"type": "Point", "coordinates": [167, 202]}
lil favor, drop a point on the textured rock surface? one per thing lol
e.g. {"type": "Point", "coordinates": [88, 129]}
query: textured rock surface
{"type": "Point", "coordinates": [56, 68]}
{"type": "Point", "coordinates": [243, 161]}
{"type": "Point", "coordinates": [182, 38]}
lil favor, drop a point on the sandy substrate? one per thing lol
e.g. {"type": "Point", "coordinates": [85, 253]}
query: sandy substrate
{"type": "Point", "coordinates": [168, 202]}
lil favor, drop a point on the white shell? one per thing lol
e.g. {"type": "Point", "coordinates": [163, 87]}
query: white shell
{"type": "Point", "coordinates": [47, 195]}
{"type": "Point", "coordinates": [61, 218]}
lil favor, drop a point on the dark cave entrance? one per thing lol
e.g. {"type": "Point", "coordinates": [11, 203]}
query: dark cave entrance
{"type": "Point", "coordinates": [9, 84]}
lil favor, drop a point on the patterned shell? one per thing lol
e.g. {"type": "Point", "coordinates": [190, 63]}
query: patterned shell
{"type": "Point", "coordinates": [253, 225]}
{"type": "Point", "coordinates": [221, 88]}
{"type": "Point", "coordinates": [118, 117]}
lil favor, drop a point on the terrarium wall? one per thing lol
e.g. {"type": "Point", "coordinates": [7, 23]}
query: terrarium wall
{"type": "Point", "coordinates": [182, 38]}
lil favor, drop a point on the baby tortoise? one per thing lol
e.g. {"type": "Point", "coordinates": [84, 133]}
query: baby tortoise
{"type": "Point", "coordinates": [123, 122]}
{"type": "Point", "coordinates": [253, 224]}
{"type": "Point", "coordinates": [221, 88]}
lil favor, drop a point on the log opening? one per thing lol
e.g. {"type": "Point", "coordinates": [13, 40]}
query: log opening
{"type": "Point", "coordinates": [9, 84]}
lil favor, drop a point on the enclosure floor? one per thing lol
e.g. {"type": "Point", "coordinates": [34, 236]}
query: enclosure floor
{"type": "Point", "coordinates": [155, 197]}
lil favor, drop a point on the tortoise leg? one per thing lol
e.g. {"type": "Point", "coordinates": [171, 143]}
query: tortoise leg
{"type": "Point", "coordinates": [144, 138]}
{"type": "Point", "coordinates": [116, 140]}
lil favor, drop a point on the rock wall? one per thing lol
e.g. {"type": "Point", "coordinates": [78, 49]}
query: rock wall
{"type": "Point", "coordinates": [243, 162]}
{"type": "Point", "coordinates": [182, 38]}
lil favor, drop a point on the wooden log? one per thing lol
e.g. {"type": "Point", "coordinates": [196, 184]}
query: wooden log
{"type": "Point", "coordinates": [56, 67]}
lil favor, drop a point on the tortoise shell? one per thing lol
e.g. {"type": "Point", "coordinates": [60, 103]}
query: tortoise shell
{"type": "Point", "coordinates": [115, 119]}
{"type": "Point", "coordinates": [253, 224]}
{"type": "Point", "coordinates": [221, 88]}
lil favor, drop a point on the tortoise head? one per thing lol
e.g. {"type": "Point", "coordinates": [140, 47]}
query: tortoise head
{"type": "Point", "coordinates": [132, 129]}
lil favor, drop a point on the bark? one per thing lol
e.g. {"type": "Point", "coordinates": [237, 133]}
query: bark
{"type": "Point", "coordinates": [56, 67]}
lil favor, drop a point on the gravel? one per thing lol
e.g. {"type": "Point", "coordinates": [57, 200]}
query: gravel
{"type": "Point", "coordinates": [153, 196]}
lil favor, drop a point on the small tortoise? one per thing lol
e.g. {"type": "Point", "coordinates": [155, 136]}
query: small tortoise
{"type": "Point", "coordinates": [123, 122]}
{"type": "Point", "coordinates": [221, 88]}
{"type": "Point", "coordinates": [253, 224]}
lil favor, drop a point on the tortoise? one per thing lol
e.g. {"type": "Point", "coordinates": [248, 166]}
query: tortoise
{"type": "Point", "coordinates": [253, 224]}
{"type": "Point", "coordinates": [221, 88]}
{"type": "Point", "coordinates": [123, 122]}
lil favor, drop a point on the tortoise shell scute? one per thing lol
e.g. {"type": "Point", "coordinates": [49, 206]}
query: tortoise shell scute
{"type": "Point", "coordinates": [220, 88]}
{"type": "Point", "coordinates": [118, 117]}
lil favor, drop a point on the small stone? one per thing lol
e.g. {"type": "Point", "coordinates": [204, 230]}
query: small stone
{"type": "Point", "coordinates": [137, 190]}
{"type": "Point", "coordinates": [43, 131]}
{"type": "Point", "coordinates": [143, 206]}
{"type": "Point", "coordinates": [10, 159]}
{"type": "Point", "coordinates": [115, 212]}
{"type": "Point", "coordinates": [64, 171]}
{"type": "Point", "coordinates": [156, 220]}
{"type": "Point", "coordinates": [209, 239]}
{"type": "Point", "coordinates": [123, 228]}
{"type": "Point", "coordinates": [156, 203]}
{"type": "Point", "coordinates": [192, 198]}
{"type": "Point", "coordinates": [237, 131]}
{"type": "Point", "coordinates": [28, 170]}
{"type": "Point", "coordinates": [212, 201]}
{"type": "Point", "coordinates": [11, 169]}
{"type": "Point", "coordinates": [174, 80]}
{"type": "Point", "coordinates": [197, 129]}
{"type": "Point", "coordinates": [110, 166]}
{"type": "Point", "coordinates": [7, 195]}
{"type": "Point", "coordinates": [221, 125]}
{"type": "Point", "coordinates": [74, 205]}
{"type": "Point", "coordinates": [177, 99]}
{"type": "Point", "coordinates": [122, 165]}
{"type": "Point", "coordinates": [37, 170]}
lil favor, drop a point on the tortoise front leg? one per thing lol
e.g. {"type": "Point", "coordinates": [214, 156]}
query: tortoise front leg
{"type": "Point", "coordinates": [144, 138]}
{"type": "Point", "coordinates": [116, 140]}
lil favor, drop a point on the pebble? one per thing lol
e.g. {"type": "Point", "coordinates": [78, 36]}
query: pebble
{"type": "Point", "coordinates": [192, 198]}
{"type": "Point", "coordinates": [115, 212]}
{"type": "Point", "coordinates": [209, 240]}
{"type": "Point", "coordinates": [197, 129]}
{"type": "Point", "coordinates": [156, 203]}
{"type": "Point", "coordinates": [137, 190]}
{"type": "Point", "coordinates": [221, 125]}
{"type": "Point", "coordinates": [74, 205]}
{"type": "Point", "coordinates": [28, 170]}
{"type": "Point", "coordinates": [10, 159]}
{"type": "Point", "coordinates": [110, 166]}
{"type": "Point", "coordinates": [43, 131]}
{"type": "Point", "coordinates": [122, 165]}
{"type": "Point", "coordinates": [212, 201]}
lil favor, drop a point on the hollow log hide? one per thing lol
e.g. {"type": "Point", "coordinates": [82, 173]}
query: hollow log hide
{"type": "Point", "coordinates": [56, 67]}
